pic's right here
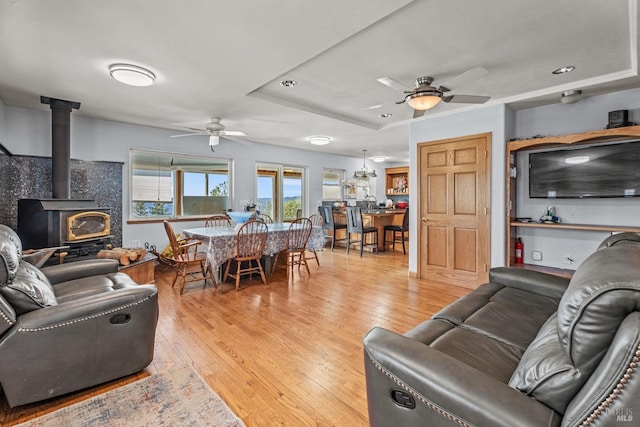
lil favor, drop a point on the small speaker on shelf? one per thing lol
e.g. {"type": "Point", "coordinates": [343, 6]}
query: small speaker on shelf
{"type": "Point", "coordinates": [618, 119]}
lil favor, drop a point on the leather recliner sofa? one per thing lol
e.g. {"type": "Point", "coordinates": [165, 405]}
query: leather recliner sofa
{"type": "Point", "coordinates": [526, 349]}
{"type": "Point", "coordinates": [69, 326]}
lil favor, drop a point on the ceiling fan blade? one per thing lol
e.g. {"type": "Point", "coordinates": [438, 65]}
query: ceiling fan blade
{"type": "Point", "coordinates": [239, 140]}
{"type": "Point", "coordinates": [466, 99]}
{"type": "Point", "coordinates": [190, 134]}
{"type": "Point", "coordinates": [418, 113]}
{"type": "Point", "coordinates": [388, 81]}
{"type": "Point", "coordinates": [466, 77]}
{"type": "Point", "coordinates": [232, 133]}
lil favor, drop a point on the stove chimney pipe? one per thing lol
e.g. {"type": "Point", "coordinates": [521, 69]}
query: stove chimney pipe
{"type": "Point", "coordinates": [60, 145]}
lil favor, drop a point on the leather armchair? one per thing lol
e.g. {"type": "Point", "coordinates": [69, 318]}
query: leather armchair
{"type": "Point", "coordinates": [70, 326]}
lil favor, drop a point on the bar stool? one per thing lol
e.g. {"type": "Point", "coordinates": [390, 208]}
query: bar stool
{"type": "Point", "coordinates": [355, 226]}
{"type": "Point", "coordinates": [398, 229]}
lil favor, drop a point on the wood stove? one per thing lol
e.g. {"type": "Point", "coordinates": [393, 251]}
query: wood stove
{"type": "Point", "coordinates": [80, 224]}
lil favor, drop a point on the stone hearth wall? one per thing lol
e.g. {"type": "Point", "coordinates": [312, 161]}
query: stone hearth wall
{"type": "Point", "coordinates": [29, 177]}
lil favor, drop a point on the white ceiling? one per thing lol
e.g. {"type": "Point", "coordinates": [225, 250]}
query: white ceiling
{"type": "Point", "coordinates": [227, 58]}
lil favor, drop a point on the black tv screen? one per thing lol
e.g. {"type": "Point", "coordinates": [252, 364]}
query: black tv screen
{"type": "Point", "coordinates": [611, 170]}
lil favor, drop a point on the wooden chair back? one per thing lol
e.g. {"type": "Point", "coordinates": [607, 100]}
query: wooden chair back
{"type": "Point", "coordinates": [316, 220]}
{"type": "Point", "coordinates": [298, 235]}
{"type": "Point", "coordinates": [218, 221]}
{"type": "Point", "coordinates": [251, 240]}
{"type": "Point", "coordinates": [265, 218]}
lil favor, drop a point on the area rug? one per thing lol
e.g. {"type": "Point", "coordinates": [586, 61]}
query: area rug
{"type": "Point", "coordinates": [178, 397]}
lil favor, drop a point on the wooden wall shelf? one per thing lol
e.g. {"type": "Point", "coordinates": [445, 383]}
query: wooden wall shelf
{"type": "Point", "coordinates": [587, 227]}
{"type": "Point", "coordinates": [514, 147]}
{"type": "Point", "coordinates": [393, 176]}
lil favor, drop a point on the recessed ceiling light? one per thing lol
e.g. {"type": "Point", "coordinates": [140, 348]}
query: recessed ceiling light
{"type": "Point", "coordinates": [319, 140]}
{"type": "Point", "coordinates": [132, 74]}
{"type": "Point", "coordinates": [563, 70]}
{"type": "Point", "coordinates": [386, 115]}
{"type": "Point", "coordinates": [378, 159]}
{"type": "Point", "coordinates": [288, 83]}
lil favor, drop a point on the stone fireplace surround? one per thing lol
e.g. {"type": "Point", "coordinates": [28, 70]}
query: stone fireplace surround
{"type": "Point", "coordinates": [29, 177]}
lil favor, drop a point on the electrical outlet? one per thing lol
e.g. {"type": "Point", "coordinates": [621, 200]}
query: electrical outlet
{"type": "Point", "coordinates": [536, 255]}
{"type": "Point", "coordinates": [135, 243]}
{"type": "Point", "coordinates": [567, 259]}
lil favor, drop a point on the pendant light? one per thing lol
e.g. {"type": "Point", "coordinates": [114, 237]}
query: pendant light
{"type": "Point", "coordinates": [364, 173]}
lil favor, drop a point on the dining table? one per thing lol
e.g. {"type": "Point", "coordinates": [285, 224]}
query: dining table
{"type": "Point", "coordinates": [221, 243]}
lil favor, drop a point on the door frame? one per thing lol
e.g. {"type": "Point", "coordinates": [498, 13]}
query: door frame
{"type": "Point", "coordinates": [487, 188]}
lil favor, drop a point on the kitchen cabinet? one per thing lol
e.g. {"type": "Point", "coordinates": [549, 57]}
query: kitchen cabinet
{"type": "Point", "coordinates": [512, 172]}
{"type": "Point", "coordinates": [397, 181]}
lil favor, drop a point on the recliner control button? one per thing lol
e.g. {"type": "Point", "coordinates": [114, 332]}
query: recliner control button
{"type": "Point", "coordinates": [402, 398]}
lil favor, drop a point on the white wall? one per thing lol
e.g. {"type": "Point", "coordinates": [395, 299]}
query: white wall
{"type": "Point", "coordinates": [490, 119]}
{"type": "Point", "coordinates": [28, 132]}
{"type": "Point", "coordinates": [560, 119]}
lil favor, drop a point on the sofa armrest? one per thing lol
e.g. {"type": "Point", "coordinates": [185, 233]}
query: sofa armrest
{"type": "Point", "coordinates": [85, 308]}
{"type": "Point", "coordinates": [444, 389]}
{"type": "Point", "coordinates": [79, 269]}
{"type": "Point", "coordinates": [530, 280]}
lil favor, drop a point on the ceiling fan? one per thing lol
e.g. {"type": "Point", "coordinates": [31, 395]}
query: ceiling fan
{"type": "Point", "coordinates": [424, 96]}
{"type": "Point", "coordinates": [215, 130]}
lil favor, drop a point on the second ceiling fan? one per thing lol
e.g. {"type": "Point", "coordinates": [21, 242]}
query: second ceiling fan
{"type": "Point", "coordinates": [424, 96]}
{"type": "Point", "coordinates": [215, 130]}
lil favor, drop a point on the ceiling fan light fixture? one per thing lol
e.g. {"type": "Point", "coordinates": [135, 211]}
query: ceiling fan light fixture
{"type": "Point", "coordinates": [214, 140]}
{"type": "Point", "coordinates": [132, 75]}
{"type": "Point", "coordinates": [424, 100]}
{"type": "Point", "coordinates": [319, 140]}
{"type": "Point", "coordinates": [571, 96]}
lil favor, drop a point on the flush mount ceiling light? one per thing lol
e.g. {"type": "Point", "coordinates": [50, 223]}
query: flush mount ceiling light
{"type": "Point", "coordinates": [319, 140]}
{"type": "Point", "coordinates": [364, 173]}
{"type": "Point", "coordinates": [563, 70]}
{"type": "Point", "coordinates": [571, 96]}
{"type": "Point", "coordinates": [378, 159]}
{"type": "Point", "coordinates": [132, 75]}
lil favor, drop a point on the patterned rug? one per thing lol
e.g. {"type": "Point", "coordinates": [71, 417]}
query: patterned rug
{"type": "Point", "coordinates": [178, 397]}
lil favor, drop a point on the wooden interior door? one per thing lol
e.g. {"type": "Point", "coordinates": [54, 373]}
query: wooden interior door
{"type": "Point", "coordinates": [454, 226]}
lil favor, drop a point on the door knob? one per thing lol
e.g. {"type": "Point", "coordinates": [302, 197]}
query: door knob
{"type": "Point", "coordinates": [424, 219]}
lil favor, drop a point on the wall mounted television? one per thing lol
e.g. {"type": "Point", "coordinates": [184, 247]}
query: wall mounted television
{"type": "Point", "coordinates": [611, 170]}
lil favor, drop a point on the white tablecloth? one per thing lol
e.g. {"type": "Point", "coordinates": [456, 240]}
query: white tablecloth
{"type": "Point", "coordinates": [221, 241]}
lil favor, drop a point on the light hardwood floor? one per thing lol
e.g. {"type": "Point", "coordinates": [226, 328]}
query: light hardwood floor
{"type": "Point", "coordinates": [288, 353]}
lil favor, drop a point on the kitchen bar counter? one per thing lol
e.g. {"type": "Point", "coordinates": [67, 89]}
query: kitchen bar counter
{"type": "Point", "coordinates": [376, 218]}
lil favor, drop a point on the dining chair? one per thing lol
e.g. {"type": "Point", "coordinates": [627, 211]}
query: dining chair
{"type": "Point", "coordinates": [316, 221]}
{"type": "Point", "coordinates": [295, 251]}
{"type": "Point", "coordinates": [355, 226]}
{"type": "Point", "coordinates": [185, 257]}
{"type": "Point", "coordinates": [265, 218]}
{"type": "Point", "coordinates": [218, 221]}
{"type": "Point", "coordinates": [329, 224]}
{"type": "Point", "coordinates": [398, 229]}
{"type": "Point", "coordinates": [250, 242]}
